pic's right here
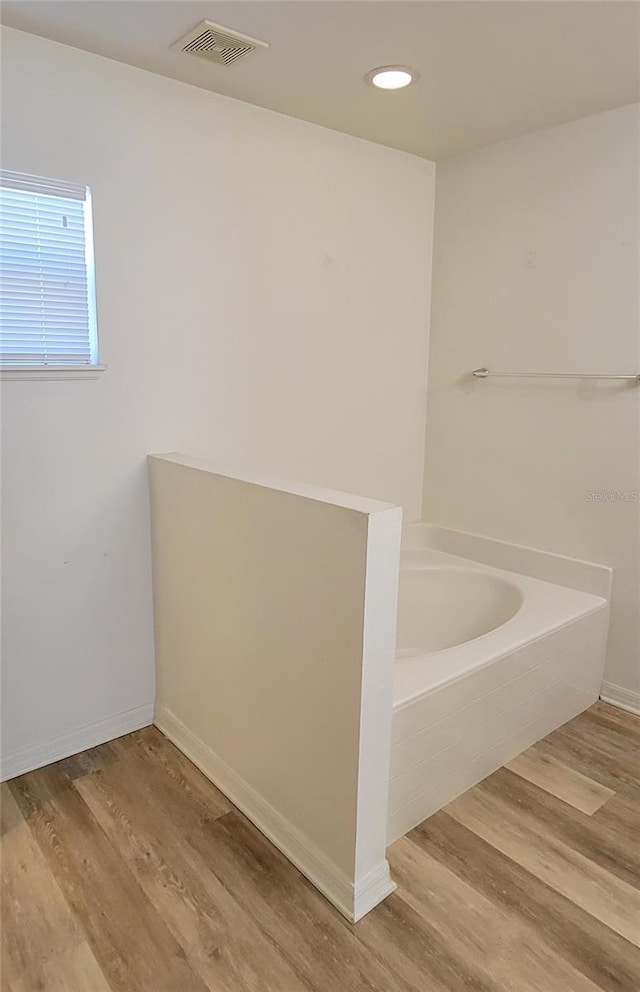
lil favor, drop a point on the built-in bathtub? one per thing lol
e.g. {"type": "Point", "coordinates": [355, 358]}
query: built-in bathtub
{"type": "Point", "coordinates": [491, 656]}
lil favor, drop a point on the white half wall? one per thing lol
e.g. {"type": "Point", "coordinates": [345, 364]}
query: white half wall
{"type": "Point", "coordinates": [275, 612]}
{"type": "Point", "coordinates": [263, 295]}
{"type": "Point", "coordinates": [536, 266]}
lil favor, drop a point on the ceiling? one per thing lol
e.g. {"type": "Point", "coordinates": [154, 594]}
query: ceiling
{"type": "Point", "coordinates": [489, 69]}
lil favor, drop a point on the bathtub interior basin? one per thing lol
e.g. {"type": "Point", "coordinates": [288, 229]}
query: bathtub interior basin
{"type": "Point", "coordinates": [440, 608]}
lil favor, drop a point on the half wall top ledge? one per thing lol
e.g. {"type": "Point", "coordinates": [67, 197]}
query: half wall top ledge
{"type": "Point", "coordinates": [274, 612]}
{"type": "Point", "coordinates": [293, 487]}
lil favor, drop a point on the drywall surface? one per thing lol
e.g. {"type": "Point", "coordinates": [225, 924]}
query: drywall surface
{"type": "Point", "coordinates": [536, 269]}
{"type": "Point", "coordinates": [275, 611]}
{"type": "Point", "coordinates": [263, 296]}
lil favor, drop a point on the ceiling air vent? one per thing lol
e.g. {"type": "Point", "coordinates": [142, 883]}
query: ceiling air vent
{"type": "Point", "coordinates": [217, 44]}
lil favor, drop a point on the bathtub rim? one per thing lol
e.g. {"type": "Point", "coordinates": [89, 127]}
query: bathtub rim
{"type": "Point", "coordinates": [546, 607]}
{"type": "Point", "coordinates": [522, 559]}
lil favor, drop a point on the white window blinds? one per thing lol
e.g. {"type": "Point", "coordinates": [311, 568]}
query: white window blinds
{"type": "Point", "coordinates": [47, 296]}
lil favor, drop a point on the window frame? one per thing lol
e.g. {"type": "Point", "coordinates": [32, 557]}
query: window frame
{"type": "Point", "coordinates": [86, 370]}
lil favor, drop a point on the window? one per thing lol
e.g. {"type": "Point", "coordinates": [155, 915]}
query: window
{"type": "Point", "coordinates": [47, 294]}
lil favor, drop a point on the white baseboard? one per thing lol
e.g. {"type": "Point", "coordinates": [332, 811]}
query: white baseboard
{"type": "Point", "coordinates": [45, 752]}
{"type": "Point", "coordinates": [625, 699]}
{"type": "Point", "coordinates": [352, 900]}
{"type": "Point", "coordinates": [371, 890]}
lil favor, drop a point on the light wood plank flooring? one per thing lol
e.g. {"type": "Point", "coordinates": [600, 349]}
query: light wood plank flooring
{"type": "Point", "coordinates": [125, 870]}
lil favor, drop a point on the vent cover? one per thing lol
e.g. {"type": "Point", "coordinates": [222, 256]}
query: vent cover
{"type": "Point", "coordinates": [217, 44]}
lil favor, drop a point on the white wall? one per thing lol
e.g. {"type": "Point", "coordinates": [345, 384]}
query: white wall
{"type": "Point", "coordinates": [275, 615]}
{"type": "Point", "coordinates": [536, 268]}
{"type": "Point", "coordinates": [261, 296]}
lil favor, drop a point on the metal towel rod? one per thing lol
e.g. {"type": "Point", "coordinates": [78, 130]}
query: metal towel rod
{"type": "Point", "coordinates": [483, 373]}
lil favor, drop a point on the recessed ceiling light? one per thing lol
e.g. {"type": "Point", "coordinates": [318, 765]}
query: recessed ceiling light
{"type": "Point", "coordinates": [391, 77]}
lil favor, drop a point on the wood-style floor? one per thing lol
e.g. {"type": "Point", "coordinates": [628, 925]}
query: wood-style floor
{"type": "Point", "coordinates": [125, 870]}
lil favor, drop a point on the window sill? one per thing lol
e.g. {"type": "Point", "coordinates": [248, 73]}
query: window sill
{"type": "Point", "coordinates": [51, 371]}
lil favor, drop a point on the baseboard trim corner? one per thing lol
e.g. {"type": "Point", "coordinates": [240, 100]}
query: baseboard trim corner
{"type": "Point", "coordinates": [371, 890]}
{"type": "Point", "coordinates": [34, 756]}
{"type": "Point", "coordinates": [353, 901]}
{"type": "Point", "coordinates": [624, 699]}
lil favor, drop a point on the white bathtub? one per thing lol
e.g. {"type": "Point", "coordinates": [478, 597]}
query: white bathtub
{"type": "Point", "coordinates": [488, 661]}
{"type": "Point", "coordinates": [442, 602]}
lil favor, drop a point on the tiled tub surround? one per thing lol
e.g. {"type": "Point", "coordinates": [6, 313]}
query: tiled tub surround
{"type": "Point", "coordinates": [460, 712]}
